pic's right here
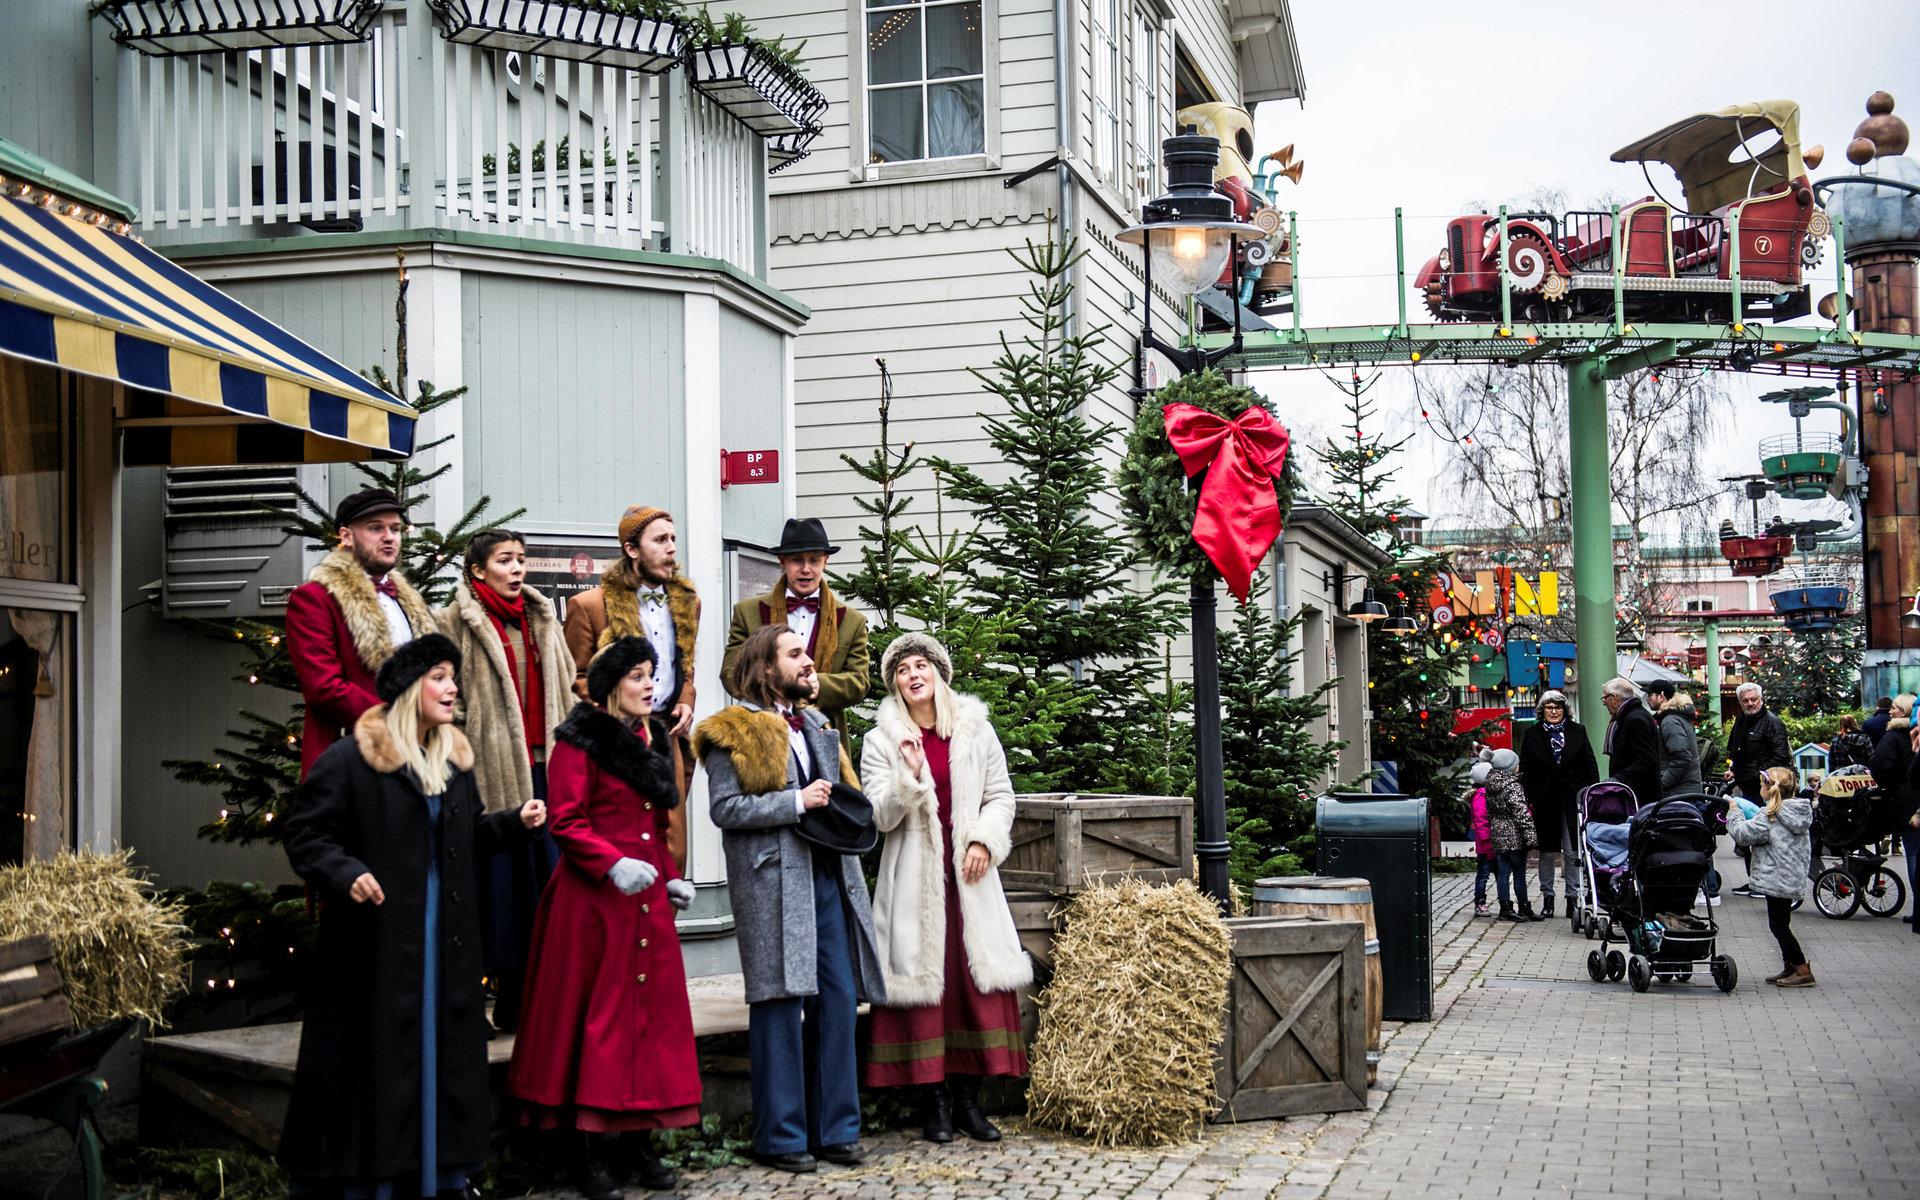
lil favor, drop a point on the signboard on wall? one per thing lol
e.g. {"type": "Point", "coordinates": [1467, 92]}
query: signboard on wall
{"type": "Point", "coordinates": [562, 567]}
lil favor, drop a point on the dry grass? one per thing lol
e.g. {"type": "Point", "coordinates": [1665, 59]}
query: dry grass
{"type": "Point", "coordinates": [121, 952]}
{"type": "Point", "coordinates": [1129, 1025]}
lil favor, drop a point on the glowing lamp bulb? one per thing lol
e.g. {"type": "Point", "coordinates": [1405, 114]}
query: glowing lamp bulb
{"type": "Point", "coordinates": [1187, 259]}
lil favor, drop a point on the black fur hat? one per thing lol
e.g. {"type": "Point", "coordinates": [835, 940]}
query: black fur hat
{"type": "Point", "coordinates": [613, 662]}
{"type": "Point", "coordinates": [411, 661]}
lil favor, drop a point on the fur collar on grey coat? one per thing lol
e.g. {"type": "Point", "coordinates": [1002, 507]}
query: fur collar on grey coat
{"type": "Point", "coordinates": [489, 706]}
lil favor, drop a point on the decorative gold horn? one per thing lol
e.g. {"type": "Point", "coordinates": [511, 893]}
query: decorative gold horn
{"type": "Point", "coordinates": [1293, 172]}
{"type": "Point", "coordinates": [1283, 155]}
{"type": "Point", "coordinates": [1813, 156]}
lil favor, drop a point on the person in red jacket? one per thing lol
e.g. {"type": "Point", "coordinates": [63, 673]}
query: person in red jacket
{"type": "Point", "coordinates": [605, 1040]}
{"type": "Point", "coordinates": [349, 617]}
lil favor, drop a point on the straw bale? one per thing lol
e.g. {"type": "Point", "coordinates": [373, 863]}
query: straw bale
{"type": "Point", "coordinates": [1131, 1019]}
{"type": "Point", "coordinates": [121, 951]}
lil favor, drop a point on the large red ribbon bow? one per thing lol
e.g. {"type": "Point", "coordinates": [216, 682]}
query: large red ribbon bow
{"type": "Point", "coordinates": [1238, 518]}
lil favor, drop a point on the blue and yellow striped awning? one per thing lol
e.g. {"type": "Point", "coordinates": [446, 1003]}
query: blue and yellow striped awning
{"type": "Point", "coordinates": [209, 381]}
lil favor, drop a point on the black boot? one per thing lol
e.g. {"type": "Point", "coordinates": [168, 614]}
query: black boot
{"type": "Point", "coordinates": [967, 1117]}
{"type": "Point", "coordinates": [648, 1171]}
{"type": "Point", "coordinates": [592, 1178]}
{"type": "Point", "coordinates": [1546, 905]}
{"type": "Point", "coordinates": [1527, 913]}
{"type": "Point", "coordinates": [936, 1111]}
{"type": "Point", "coordinates": [1507, 913]}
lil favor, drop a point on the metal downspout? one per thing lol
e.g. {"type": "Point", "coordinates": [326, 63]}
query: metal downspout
{"type": "Point", "coordinates": [1062, 135]}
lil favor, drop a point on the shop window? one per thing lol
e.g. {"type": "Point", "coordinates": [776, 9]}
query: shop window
{"type": "Point", "coordinates": [926, 86]}
{"type": "Point", "coordinates": [36, 475]}
{"type": "Point", "coordinates": [34, 734]}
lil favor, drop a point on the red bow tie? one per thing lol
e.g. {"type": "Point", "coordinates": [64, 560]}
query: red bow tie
{"type": "Point", "coordinates": [387, 587]}
{"type": "Point", "coordinates": [794, 722]}
{"type": "Point", "coordinates": [810, 604]}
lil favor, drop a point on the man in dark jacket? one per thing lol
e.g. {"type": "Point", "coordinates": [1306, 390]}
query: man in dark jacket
{"type": "Point", "coordinates": [1758, 741]}
{"type": "Point", "coordinates": [1633, 740]}
{"type": "Point", "coordinates": [1876, 725]}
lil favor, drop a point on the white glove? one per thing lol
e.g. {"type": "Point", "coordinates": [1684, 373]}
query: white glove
{"type": "Point", "coordinates": [680, 893]}
{"type": "Point", "coordinates": [631, 875]}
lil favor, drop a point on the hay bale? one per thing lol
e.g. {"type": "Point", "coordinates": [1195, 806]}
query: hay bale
{"type": "Point", "coordinates": [1130, 1022]}
{"type": "Point", "coordinates": [121, 952]}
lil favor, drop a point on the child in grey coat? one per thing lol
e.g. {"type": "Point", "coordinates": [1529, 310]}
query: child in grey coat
{"type": "Point", "coordinates": [1777, 837]}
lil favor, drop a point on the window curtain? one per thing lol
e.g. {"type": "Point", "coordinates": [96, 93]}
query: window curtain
{"type": "Point", "coordinates": [957, 120]}
{"type": "Point", "coordinates": [46, 801]}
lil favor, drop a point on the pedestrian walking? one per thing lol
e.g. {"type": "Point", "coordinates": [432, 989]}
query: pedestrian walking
{"type": "Point", "coordinates": [606, 1044]}
{"type": "Point", "coordinates": [1875, 726]}
{"type": "Point", "coordinates": [644, 595]}
{"type": "Point", "coordinates": [1776, 834]}
{"type": "Point", "coordinates": [1510, 823]}
{"type": "Point", "coordinates": [1893, 767]}
{"type": "Point", "coordinates": [518, 686]}
{"type": "Point", "coordinates": [937, 778]}
{"type": "Point", "coordinates": [835, 633]}
{"type": "Point", "coordinates": [1679, 746]}
{"type": "Point", "coordinates": [349, 616]}
{"type": "Point", "coordinates": [1756, 743]}
{"type": "Point", "coordinates": [390, 1087]}
{"type": "Point", "coordinates": [1910, 829]}
{"type": "Point", "coordinates": [806, 936]}
{"type": "Point", "coordinates": [1556, 761]}
{"type": "Point", "coordinates": [1483, 851]}
{"type": "Point", "coordinates": [1633, 740]}
{"type": "Point", "coordinates": [1851, 747]}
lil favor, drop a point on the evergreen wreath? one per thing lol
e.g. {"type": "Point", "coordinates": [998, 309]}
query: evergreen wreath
{"type": "Point", "coordinates": [1155, 500]}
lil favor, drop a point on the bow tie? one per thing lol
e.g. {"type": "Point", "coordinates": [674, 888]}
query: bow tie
{"type": "Point", "coordinates": [387, 587]}
{"type": "Point", "coordinates": [654, 597]}
{"type": "Point", "coordinates": [810, 604]}
{"type": "Point", "coordinates": [794, 722]}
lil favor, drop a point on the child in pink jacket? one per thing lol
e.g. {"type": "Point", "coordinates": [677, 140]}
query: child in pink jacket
{"type": "Point", "coordinates": [1482, 840]}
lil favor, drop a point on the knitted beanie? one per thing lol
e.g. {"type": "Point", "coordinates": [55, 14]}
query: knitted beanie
{"type": "Point", "coordinates": [637, 518]}
{"type": "Point", "coordinates": [406, 665]}
{"type": "Point", "coordinates": [613, 662]}
{"type": "Point", "coordinates": [1480, 773]}
{"type": "Point", "coordinates": [1505, 760]}
{"type": "Point", "coordinates": [916, 643]}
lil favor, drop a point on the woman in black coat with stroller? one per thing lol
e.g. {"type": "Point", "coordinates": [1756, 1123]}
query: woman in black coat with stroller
{"type": "Point", "coordinates": [1556, 761]}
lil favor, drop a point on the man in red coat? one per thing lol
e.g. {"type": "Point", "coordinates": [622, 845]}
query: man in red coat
{"type": "Point", "coordinates": [349, 617]}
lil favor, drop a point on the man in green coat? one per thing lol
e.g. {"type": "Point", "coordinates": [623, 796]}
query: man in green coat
{"type": "Point", "coordinates": [835, 632]}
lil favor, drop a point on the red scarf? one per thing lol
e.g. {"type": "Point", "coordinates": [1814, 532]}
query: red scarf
{"type": "Point", "coordinates": [533, 706]}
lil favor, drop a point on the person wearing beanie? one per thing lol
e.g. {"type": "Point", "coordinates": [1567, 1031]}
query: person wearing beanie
{"type": "Point", "coordinates": [1483, 852]}
{"type": "Point", "coordinates": [390, 1091]}
{"type": "Point", "coordinates": [517, 688]}
{"type": "Point", "coordinates": [1510, 824]}
{"type": "Point", "coordinates": [937, 778]}
{"type": "Point", "coordinates": [604, 946]}
{"type": "Point", "coordinates": [644, 595]}
{"type": "Point", "coordinates": [1556, 761]}
{"type": "Point", "coordinates": [835, 633]}
{"type": "Point", "coordinates": [348, 616]}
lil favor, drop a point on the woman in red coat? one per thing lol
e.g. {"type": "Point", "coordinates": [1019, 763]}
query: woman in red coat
{"type": "Point", "coordinates": [605, 1042]}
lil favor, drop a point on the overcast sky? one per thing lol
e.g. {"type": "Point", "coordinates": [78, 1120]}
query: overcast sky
{"type": "Point", "coordinates": [1421, 106]}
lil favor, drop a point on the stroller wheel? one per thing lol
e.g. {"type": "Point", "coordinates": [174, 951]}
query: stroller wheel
{"type": "Point", "coordinates": [1835, 894]}
{"type": "Point", "coordinates": [1883, 895]}
{"type": "Point", "coordinates": [1726, 976]}
{"type": "Point", "coordinates": [1596, 966]}
{"type": "Point", "coordinates": [1589, 929]}
{"type": "Point", "coordinates": [1639, 974]}
{"type": "Point", "coordinates": [1616, 965]}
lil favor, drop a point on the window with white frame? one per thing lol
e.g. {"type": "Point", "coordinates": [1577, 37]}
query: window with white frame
{"type": "Point", "coordinates": [1148, 123]}
{"type": "Point", "coordinates": [1108, 96]}
{"type": "Point", "coordinates": [1125, 118]}
{"type": "Point", "coordinates": [1702, 604]}
{"type": "Point", "coordinates": [925, 80]}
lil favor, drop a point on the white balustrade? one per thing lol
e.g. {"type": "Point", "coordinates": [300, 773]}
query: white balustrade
{"type": "Point", "coordinates": [722, 178]}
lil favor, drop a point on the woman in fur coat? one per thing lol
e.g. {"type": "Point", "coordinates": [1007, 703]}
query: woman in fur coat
{"type": "Point", "coordinates": [518, 687]}
{"type": "Point", "coordinates": [937, 778]}
{"type": "Point", "coordinates": [606, 1039]}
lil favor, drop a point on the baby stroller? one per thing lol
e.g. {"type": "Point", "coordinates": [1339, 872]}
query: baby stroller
{"type": "Point", "coordinates": [1669, 850]}
{"type": "Point", "coordinates": [1850, 818]}
{"type": "Point", "coordinates": [1601, 842]}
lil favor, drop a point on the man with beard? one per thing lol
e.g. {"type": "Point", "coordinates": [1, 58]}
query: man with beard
{"type": "Point", "coordinates": [644, 595]}
{"type": "Point", "coordinates": [349, 617]}
{"type": "Point", "coordinates": [805, 921]}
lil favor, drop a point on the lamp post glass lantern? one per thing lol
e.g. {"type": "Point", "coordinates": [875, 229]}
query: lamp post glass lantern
{"type": "Point", "coordinates": [1190, 236]}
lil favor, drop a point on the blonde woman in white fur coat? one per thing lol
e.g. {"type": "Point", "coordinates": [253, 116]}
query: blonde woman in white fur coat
{"type": "Point", "coordinates": [937, 778]}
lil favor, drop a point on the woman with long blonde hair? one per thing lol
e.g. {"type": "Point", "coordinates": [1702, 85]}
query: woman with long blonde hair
{"type": "Point", "coordinates": [1778, 838]}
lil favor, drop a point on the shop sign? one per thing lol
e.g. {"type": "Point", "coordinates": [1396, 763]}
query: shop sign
{"type": "Point", "coordinates": [749, 466]}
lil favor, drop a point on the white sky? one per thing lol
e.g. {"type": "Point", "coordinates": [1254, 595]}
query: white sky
{"type": "Point", "coordinates": [1415, 105]}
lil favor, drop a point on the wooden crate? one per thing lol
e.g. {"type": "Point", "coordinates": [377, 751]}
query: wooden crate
{"type": "Point", "coordinates": [1038, 917]}
{"type": "Point", "coordinates": [32, 999]}
{"type": "Point", "coordinates": [1295, 1037]}
{"type": "Point", "coordinates": [1063, 842]}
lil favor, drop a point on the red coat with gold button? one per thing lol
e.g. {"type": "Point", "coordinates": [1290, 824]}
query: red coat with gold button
{"type": "Point", "coordinates": [605, 1038]}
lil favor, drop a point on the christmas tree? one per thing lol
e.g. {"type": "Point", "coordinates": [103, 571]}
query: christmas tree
{"type": "Point", "coordinates": [1813, 672]}
{"type": "Point", "coordinates": [258, 773]}
{"type": "Point", "coordinates": [1052, 556]}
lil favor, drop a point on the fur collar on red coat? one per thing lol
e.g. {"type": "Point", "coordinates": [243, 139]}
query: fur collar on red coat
{"type": "Point", "coordinates": [377, 746]}
{"type": "Point", "coordinates": [352, 589]}
{"type": "Point", "coordinates": [618, 751]}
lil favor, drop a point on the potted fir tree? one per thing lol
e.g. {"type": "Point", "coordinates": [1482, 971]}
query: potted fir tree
{"type": "Point", "coordinates": [756, 80]}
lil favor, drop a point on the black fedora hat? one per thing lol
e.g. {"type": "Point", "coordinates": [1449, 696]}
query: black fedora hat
{"type": "Point", "coordinates": [805, 535]}
{"type": "Point", "coordinates": [845, 824]}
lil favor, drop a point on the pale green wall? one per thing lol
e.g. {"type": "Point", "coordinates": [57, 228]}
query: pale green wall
{"type": "Point", "coordinates": [752, 417]}
{"type": "Point", "coordinates": [46, 83]}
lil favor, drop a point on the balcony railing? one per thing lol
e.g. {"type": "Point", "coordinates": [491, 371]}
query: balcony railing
{"type": "Point", "coordinates": [410, 129]}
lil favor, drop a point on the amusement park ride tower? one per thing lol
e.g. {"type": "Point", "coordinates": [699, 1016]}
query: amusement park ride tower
{"type": "Point", "coordinates": [1881, 210]}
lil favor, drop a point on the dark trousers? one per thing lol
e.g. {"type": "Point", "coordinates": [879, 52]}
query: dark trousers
{"type": "Point", "coordinates": [1780, 921]}
{"type": "Point", "coordinates": [1511, 863]}
{"type": "Point", "coordinates": [1910, 842]}
{"type": "Point", "coordinates": [802, 1050]}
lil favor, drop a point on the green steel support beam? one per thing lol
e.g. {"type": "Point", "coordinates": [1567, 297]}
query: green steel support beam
{"type": "Point", "coordinates": [1646, 358]}
{"type": "Point", "coordinates": [1713, 672]}
{"type": "Point", "coordinates": [1593, 599]}
{"type": "Point", "coordinates": [1400, 265]}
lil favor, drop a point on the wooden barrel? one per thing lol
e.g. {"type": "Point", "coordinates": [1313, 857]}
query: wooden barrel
{"type": "Point", "coordinates": [1332, 898]}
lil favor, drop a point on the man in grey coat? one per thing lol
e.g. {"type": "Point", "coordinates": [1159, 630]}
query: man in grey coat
{"type": "Point", "coordinates": [805, 921]}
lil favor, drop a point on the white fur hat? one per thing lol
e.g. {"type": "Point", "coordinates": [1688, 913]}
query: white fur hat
{"type": "Point", "coordinates": [916, 643]}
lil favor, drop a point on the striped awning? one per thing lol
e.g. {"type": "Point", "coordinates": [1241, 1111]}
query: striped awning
{"type": "Point", "coordinates": [209, 381]}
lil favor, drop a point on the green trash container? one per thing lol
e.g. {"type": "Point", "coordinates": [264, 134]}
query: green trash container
{"type": "Point", "coordinates": [1382, 838]}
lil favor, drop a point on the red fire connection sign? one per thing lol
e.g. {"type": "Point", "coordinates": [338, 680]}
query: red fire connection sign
{"type": "Point", "coordinates": [749, 466]}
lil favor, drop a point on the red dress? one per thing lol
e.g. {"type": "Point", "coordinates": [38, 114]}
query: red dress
{"type": "Point", "coordinates": [970, 1032]}
{"type": "Point", "coordinates": [605, 1037]}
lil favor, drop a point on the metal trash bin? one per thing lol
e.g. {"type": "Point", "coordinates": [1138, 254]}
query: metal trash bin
{"type": "Point", "coordinates": [1382, 838]}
